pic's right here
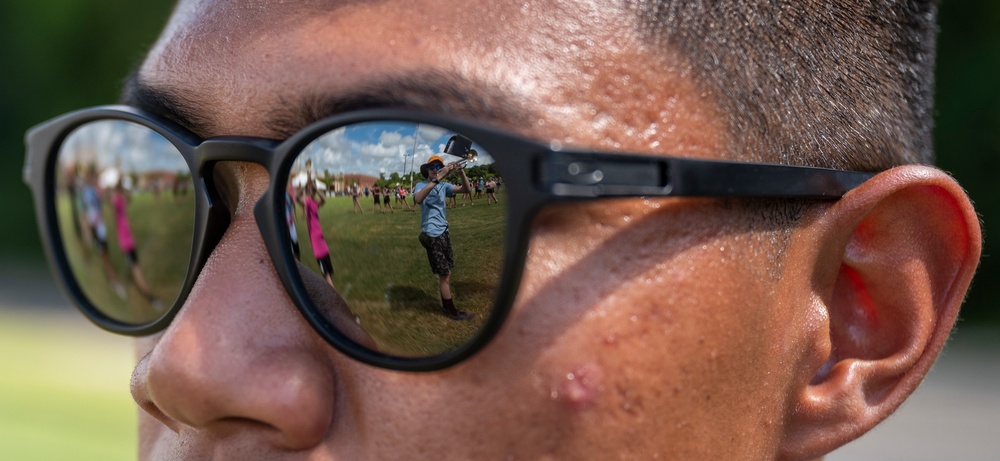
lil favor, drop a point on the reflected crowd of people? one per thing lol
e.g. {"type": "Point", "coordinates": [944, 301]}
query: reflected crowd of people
{"type": "Point", "coordinates": [308, 193]}
{"type": "Point", "coordinates": [99, 200]}
{"type": "Point", "coordinates": [389, 197]}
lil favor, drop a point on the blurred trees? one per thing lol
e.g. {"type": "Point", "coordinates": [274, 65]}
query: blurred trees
{"type": "Point", "coordinates": [967, 136]}
{"type": "Point", "coordinates": [57, 56]}
{"type": "Point", "coordinates": [60, 55]}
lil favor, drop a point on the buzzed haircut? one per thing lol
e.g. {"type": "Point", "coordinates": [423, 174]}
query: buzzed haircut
{"type": "Point", "coordinates": [843, 84]}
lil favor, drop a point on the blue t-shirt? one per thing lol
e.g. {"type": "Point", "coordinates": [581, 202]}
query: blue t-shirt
{"type": "Point", "coordinates": [432, 219]}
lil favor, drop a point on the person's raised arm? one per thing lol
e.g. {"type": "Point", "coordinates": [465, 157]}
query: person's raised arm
{"type": "Point", "coordinates": [425, 191]}
{"type": "Point", "coordinates": [466, 187]}
{"type": "Point", "coordinates": [451, 167]}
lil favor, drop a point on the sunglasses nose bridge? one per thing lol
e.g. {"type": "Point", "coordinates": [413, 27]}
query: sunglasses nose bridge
{"type": "Point", "coordinates": [238, 149]}
{"type": "Point", "coordinates": [259, 151]}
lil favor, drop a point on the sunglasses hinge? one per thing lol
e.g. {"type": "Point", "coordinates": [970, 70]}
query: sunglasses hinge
{"type": "Point", "coordinates": [594, 175]}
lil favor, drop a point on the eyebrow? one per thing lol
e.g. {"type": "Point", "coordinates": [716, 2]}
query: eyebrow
{"type": "Point", "coordinates": [424, 91]}
{"type": "Point", "coordinates": [164, 102]}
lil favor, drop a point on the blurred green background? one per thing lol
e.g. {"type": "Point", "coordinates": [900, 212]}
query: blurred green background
{"type": "Point", "coordinates": [60, 55]}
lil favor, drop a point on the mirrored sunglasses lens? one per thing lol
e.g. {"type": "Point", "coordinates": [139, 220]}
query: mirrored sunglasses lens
{"type": "Point", "coordinates": [124, 202]}
{"type": "Point", "coordinates": [406, 279]}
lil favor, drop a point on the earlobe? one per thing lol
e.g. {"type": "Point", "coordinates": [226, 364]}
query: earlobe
{"type": "Point", "coordinates": [899, 254]}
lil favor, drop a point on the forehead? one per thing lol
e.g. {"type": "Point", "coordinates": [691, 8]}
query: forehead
{"type": "Point", "coordinates": [266, 68]}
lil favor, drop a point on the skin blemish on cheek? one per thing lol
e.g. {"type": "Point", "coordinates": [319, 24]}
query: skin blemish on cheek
{"type": "Point", "coordinates": [578, 389]}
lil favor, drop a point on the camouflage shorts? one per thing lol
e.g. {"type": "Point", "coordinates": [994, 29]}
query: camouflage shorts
{"type": "Point", "coordinates": [439, 252]}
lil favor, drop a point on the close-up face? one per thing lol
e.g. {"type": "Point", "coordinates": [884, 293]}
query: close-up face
{"type": "Point", "coordinates": [704, 325]}
{"type": "Point", "coordinates": [638, 323]}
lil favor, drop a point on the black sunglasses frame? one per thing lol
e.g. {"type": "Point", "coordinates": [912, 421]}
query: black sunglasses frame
{"type": "Point", "coordinates": [536, 175]}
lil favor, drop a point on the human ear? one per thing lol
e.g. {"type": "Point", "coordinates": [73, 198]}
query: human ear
{"type": "Point", "coordinates": [893, 261]}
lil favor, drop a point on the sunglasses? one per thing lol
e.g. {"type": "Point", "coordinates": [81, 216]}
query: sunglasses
{"type": "Point", "coordinates": [129, 210]}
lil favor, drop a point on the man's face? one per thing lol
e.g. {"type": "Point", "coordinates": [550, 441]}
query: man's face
{"type": "Point", "coordinates": [643, 329]}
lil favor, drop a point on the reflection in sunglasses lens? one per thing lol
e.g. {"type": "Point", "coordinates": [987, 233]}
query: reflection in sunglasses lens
{"type": "Point", "coordinates": [125, 206]}
{"type": "Point", "coordinates": [380, 266]}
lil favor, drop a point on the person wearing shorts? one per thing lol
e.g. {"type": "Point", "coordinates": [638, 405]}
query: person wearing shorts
{"type": "Point", "coordinates": [126, 241]}
{"type": "Point", "coordinates": [293, 235]}
{"type": "Point", "coordinates": [402, 198]}
{"type": "Point", "coordinates": [376, 199]}
{"type": "Point", "coordinates": [355, 191]}
{"type": "Point", "coordinates": [431, 195]}
{"type": "Point", "coordinates": [98, 230]}
{"type": "Point", "coordinates": [386, 197]}
{"type": "Point", "coordinates": [320, 250]}
{"type": "Point", "coordinates": [491, 188]}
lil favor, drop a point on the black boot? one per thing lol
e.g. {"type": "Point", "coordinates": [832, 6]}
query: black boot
{"type": "Point", "coordinates": [448, 306]}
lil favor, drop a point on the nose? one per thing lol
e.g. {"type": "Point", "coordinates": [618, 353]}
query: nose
{"type": "Point", "coordinates": [239, 357]}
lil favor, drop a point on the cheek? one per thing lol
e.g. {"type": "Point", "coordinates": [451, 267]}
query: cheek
{"type": "Point", "coordinates": [634, 327]}
{"type": "Point", "coordinates": [631, 340]}
{"type": "Point", "coordinates": [579, 389]}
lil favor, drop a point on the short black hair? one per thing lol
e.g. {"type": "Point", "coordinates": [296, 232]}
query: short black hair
{"type": "Point", "coordinates": [844, 84]}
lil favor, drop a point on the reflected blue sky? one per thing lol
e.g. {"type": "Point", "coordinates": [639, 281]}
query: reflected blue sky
{"type": "Point", "coordinates": [374, 148]}
{"type": "Point", "coordinates": [370, 148]}
{"type": "Point", "coordinates": [121, 145]}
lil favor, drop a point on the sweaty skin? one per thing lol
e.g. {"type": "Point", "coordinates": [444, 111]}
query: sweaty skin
{"type": "Point", "coordinates": [643, 329]}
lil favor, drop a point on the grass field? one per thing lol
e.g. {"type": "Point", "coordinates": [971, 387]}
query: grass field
{"type": "Point", "coordinates": [382, 271]}
{"type": "Point", "coordinates": [162, 227]}
{"type": "Point", "coordinates": [63, 389]}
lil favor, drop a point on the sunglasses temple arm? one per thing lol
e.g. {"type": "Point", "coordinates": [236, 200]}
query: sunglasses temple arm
{"type": "Point", "coordinates": [589, 175]}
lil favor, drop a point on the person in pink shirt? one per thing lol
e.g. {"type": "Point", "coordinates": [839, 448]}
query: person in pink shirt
{"type": "Point", "coordinates": [401, 196]}
{"type": "Point", "coordinates": [126, 241]}
{"type": "Point", "coordinates": [311, 201]}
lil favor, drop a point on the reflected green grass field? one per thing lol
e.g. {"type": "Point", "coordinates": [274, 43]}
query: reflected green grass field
{"type": "Point", "coordinates": [382, 272]}
{"type": "Point", "coordinates": [381, 269]}
{"type": "Point", "coordinates": [63, 389]}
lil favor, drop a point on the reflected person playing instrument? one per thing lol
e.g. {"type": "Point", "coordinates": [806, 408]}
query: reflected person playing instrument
{"type": "Point", "coordinates": [382, 284]}
{"type": "Point", "coordinates": [434, 235]}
